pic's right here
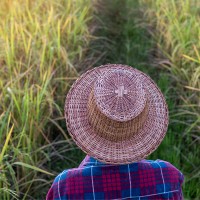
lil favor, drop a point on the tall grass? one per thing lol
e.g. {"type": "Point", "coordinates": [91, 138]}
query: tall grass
{"type": "Point", "coordinates": [39, 43]}
{"type": "Point", "coordinates": [177, 33]}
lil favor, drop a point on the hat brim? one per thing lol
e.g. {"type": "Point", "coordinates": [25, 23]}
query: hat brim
{"type": "Point", "coordinates": [139, 146]}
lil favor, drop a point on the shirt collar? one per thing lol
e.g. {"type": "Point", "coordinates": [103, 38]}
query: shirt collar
{"type": "Point", "coordinates": [90, 161]}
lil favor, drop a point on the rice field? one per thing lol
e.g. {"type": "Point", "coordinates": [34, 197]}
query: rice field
{"type": "Point", "coordinates": [45, 45]}
{"type": "Point", "coordinates": [39, 44]}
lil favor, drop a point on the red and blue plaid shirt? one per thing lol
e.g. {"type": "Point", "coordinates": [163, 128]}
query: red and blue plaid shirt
{"type": "Point", "coordinates": [142, 180]}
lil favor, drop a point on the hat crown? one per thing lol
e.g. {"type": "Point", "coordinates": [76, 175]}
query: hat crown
{"type": "Point", "coordinates": [119, 94]}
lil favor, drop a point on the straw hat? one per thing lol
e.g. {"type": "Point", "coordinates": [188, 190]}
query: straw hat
{"type": "Point", "coordinates": [116, 114]}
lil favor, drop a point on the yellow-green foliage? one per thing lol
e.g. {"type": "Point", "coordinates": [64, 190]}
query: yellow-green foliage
{"type": "Point", "coordinates": [177, 33]}
{"type": "Point", "coordinates": [39, 41]}
{"type": "Point", "coordinates": [178, 24]}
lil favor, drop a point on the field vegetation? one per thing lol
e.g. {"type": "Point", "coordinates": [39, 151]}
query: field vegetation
{"type": "Point", "coordinates": [40, 42]}
{"type": "Point", "coordinates": [45, 45]}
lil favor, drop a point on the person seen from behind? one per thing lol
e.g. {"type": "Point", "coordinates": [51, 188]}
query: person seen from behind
{"type": "Point", "coordinates": [118, 116]}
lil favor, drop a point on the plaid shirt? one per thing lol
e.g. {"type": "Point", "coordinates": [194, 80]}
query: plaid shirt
{"type": "Point", "coordinates": [142, 180]}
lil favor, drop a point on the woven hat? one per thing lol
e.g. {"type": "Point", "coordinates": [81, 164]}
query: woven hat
{"type": "Point", "coordinates": [116, 114]}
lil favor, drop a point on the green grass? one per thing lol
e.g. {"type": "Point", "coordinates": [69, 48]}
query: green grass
{"type": "Point", "coordinates": [40, 42]}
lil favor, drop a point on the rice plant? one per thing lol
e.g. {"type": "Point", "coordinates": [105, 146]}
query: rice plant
{"type": "Point", "coordinates": [39, 44]}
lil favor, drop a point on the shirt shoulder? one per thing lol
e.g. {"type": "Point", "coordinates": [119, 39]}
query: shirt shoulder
{"type": "Point", "coordinates": [143, 178]}
{"type": "Point", "coordinates": [163, 172]}
{"type": "Point", "coordinates": [171, 170]}
{"type": "Point", "coordinates": [66, 184]}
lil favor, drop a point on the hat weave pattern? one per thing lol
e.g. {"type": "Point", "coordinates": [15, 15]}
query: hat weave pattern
{"type": "Point", "coordinates": [116, 114]}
